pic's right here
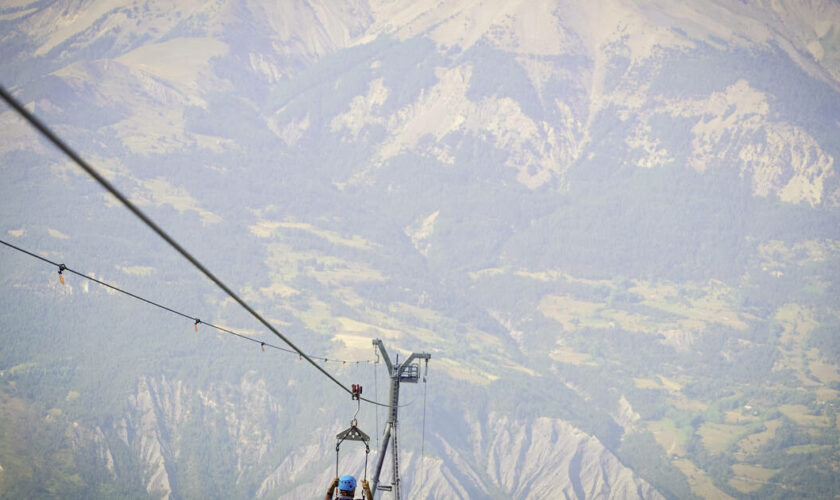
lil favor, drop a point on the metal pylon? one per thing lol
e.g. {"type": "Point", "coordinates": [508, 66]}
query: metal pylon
{"type": "Point", "coordinates": [408, 371]}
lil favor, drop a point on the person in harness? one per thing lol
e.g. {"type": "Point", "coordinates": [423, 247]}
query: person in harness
{"type": "Point", "coordinates": [347, 489]}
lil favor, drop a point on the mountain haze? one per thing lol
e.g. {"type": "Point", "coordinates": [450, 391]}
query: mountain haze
{"type": "Point", "coordinates": [615, 226]}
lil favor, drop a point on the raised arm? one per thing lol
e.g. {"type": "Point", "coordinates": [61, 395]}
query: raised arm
{"type": "Point", "coordinates": [330, 491]}
{"type": "Point", "coordinates": [366, 486]}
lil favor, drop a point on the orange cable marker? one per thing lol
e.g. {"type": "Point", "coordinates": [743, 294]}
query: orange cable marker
{"type": "Point", "coordinates": [262, 345]}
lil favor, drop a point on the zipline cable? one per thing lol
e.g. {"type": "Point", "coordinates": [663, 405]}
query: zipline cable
{"type": "Point", "coordinates": [62, 267]}
{"type": "Point", "coordinates": [52, 137]}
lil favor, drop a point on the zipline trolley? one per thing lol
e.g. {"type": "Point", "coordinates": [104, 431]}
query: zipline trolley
{"type": "Point", "coordinates": [353, 433]}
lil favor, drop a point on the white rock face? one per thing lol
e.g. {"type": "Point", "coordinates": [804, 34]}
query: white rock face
{"type": "Point", "coordinates": [549, 457]}
{"type": "Point", "coordinates": [735, 127]}
{"type": "Point", "coordinates": [157, 410]}
{"type": "Point", "coordinates": [421, 231]}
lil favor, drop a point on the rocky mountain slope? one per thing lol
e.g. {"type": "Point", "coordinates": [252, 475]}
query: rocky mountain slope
{"type": "Point", "coordinates": [614, 225]}
{"type": "Point", "coordinates": [538, 457]}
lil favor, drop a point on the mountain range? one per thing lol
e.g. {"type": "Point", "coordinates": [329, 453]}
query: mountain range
{"type": "Point", "coordinates": [614, 225]}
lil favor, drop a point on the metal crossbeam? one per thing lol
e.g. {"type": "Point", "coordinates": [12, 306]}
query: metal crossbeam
{"type": "Point", "coordinates": [352, 434]}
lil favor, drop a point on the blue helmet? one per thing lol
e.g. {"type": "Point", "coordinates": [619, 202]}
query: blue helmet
{"type": "Point", "coordinates": [347, 483]}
